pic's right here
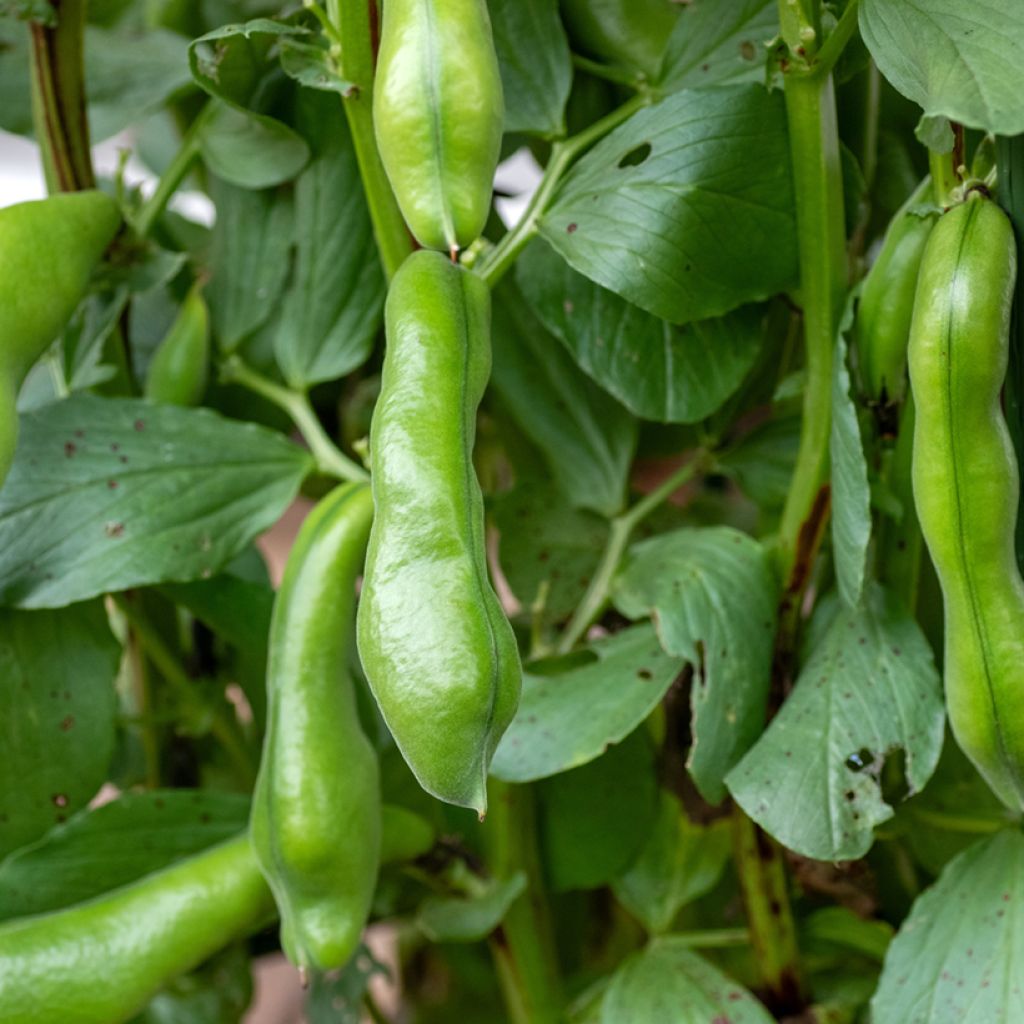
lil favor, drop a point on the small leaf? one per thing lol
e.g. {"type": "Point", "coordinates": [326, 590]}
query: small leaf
{"type": "Point", "coordinates": [536, 67]}
{"type": "Point", "coordinates": [333, 306]}
{"type": "Point", "coordinates": [251, 150]}
{"type": "Point", "coordinates": [548, 550]}
{"type": "Point", "coordinates": [250, 258]}
{"type": "Point", "coordinates": [955, 60]}
{"type": "Point", "coordinates": [667, 981]}
{"type": "Point", "coordinates": [569, 719]}
{"type": "Point", "coordinates": [868, 688]}
{"type": "Point", "coordinates": [57, 706]}
{"type": "Point", "coordinates": [851, 495]}
{"type": "Point", "coordinates": [712, 45]}
{"type": "Point", "coordinates": [107, 494]}
{"type": "Point", "coordinates": [595, 818]}
{"type": "Point", "coordinates": [338, 999]}
{"type": "Point", "coordinates": [957, 958]}
{"type": "Point", "coordinates": [465, 919]}
{"type": "Point", "coordinates": [762, 462]}
{"type": "Point", "coordinates": [679, 863]}
{"type": "Point", "coordinates": [712, 596]}
{"type": "Point", "coordinates": [586, 437]}
{"type": "Point", "coordinates": [658, 370]}
{"type": "Point", "coordinates": [670, 211]}
{"type": "Point", "coordinates": [102, 849]}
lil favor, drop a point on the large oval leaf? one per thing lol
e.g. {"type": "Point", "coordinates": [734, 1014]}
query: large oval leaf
{"type": "Point", "coordinates": [673, 212]}
{"type": "Point", "coordinates": [107, 494]}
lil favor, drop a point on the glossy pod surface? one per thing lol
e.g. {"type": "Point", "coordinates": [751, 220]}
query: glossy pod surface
{"type": "Point", "coordinates": [438, 114]}
{"type": "Point", "coordinates": [99, 962]}
{"type": "Point", "coordinates": [887, 303]}
{"type": "Point", "coordinates": [966, 482]}
{"type": "Point", "coordinates": [48, 251]}
{"type": "Point", "coordinates": [437, 649]}
{"type": "Point", "coordinates": [316, 813]}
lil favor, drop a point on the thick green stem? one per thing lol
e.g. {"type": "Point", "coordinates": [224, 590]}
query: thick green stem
{"type": "Point", "coordinates": [942, 168]}
{"type": "Point", "coordinates": [157, 651]}
{"type": "Point", "coordinates": [563, 154]}
{"type": "Point", "coordinates": [523, 946]}
{"type": "Point", "coordinates": [174, 175]}
{"type": "Point", "coordinates": [758, 861]}
{"type": "Point", "coordinates": [58, 99]}
{"type": "Point", "coordinates": [351, 19]}
{"type": "Point", "coordinates": [821, 243]}
{"type": "Point", "coordinates": [330, 459]}
{"type": "Point", "coordinates": [622, 526]}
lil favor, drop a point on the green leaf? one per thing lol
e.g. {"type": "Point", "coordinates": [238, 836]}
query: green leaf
{"type": "Point", "coordinates": [311, 64]}
{"type": "Point", "coordinates": [586, 437]}
{"type": "Point", "coordinates": [659, 371]}
{"type": "Point", "coordinates": [338, 998]}
{"type": "Point", "coordinates": [130, 73]}
{"type": "Point", "coordinates": [957, 958]}
{"type": "Point", "coordinates": [667, 981]}
{"type": "Point", "coordinates": [107, 494]}
{"type": "Point", "coordinates": [469, 919]}
{"type": "Point", "coordinates": [671, 212]}
{"type": "Point", "coordinates": [851, 495]}
{"type": "Point", "coordinates": [548, 550]}
{"type": "Point", "coordinates": [219, 992]}
{"type": "Point", "coordinates": [955, 60]}
{"type": "Point", "coordinates": [679, 863]}
{"type": "Point", "coordinates": [712, 595]}
{"type": "Point", "coordinates": [334, 304]}
{"type": "Point", "coordinates": [231, 61]}
{"type": "Point", "coordinates": [536, 67]}
{"type": "Point", "coordinates": [762, 462]}
{"type": "Point", "coordinates": [568, 719]}
{"type": "Point", "coordinates": [249, 260]}
{"type": "Point", "coordinates": [595, 818]}
{"type": "Point", "coordinates": [57, 707]}
{"type": "Point", "coordinates": [250, 150]}
{"type": "Point", "coordinates": [840, 929]}
{"type": "Point", "coordinates": [716, 45]}
{"type": "Point", "coordinates": [102, 849]}
{"type": "Point", "coordinates": [868, 688]}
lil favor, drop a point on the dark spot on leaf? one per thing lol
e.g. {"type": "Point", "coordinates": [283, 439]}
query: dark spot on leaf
{"type": "Point", "coordinates": [79, 433]}
{"type": "Point", "coordinates": [644, 673]}
{"type": "Point", "coordinates": [571, 229]}
{"type": "Point", "coordinates": [636, 156]}
{"type": "Point", "coordinates": [68, 723]}
{"type": "Point", "coordinates": [114, 529]}
{"type": "Point", "coordinates": [139, 425]}
{"type": "Point", "coordinates": [60, 800]}
{"type": "Point", "coordinates": [112, 485]}
{"type": "Point", "coordinates": [748, 51]}
{"type": "Point", "coordinates": [70, 448]}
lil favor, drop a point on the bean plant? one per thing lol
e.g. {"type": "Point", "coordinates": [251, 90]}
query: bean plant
{"type": "Point", "coordinates": [652, 651]}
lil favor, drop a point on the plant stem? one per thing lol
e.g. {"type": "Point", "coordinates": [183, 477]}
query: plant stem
{"type": "Point", "coordinates": [58, 99]}
{"type": "Point", "coordinates": [563, 154]}
{"type": "Point", "coordinates": [351, 19]}
{"type": "Point", "coordinates": [172, 671]}
{"type": "Point", "coordinates": [606, 72]}
{"type": "Point", "coordinates": [523, 946]}
{"type": "Point", "coordinates": [762, 876]}
{"type": "Point", "coordinates": [821, 243]}
{"type": "Point", "coordinates": [330, 459]}
{"type": "Point", "coordinates": [831, 50]}
{"type": "Point", "coordinates": [140, 691]}
{"type": "Point", "coordinates": [943, 174]}
{"type": "Point", "coordinates": [714, 938]}
{"type": "Point", "coordinates": [622, 526]}
{"type": "Point", "coordinates": [174, 175]}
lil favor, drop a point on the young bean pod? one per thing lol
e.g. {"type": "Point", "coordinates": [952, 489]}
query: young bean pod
{"type": "Point", "coordinates": [437, 649]}
{"type": "Point", "coordinates": [48, 251]}
{"type": "Point", "coordinates": [438, 114]}
{"type": "Point", "coordinates": [99, 962]}
{"type": "Point", "coordinates": [966, 483]}
{"type": "Point", "coordinates": [180, 367]}
{"type": "Point", "coordinates": [316, 814]}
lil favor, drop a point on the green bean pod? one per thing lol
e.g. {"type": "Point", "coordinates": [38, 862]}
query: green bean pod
{"type": "Point", "coordinates": [887, 303]}
{"type": "Point", "coordinates": [100, 962]}
{"type": "Point", "coordinates": [316, 812]}
{"type": "Point", "coordinates": [438, 114]}
{"type": "Point", "coordinates": [48, 251]}
{"type": "Point", "coordinates": [966, 483]}
{"type": "Point", "coordinates": [436, 647]}
{"type": "Point", "coordinates": [179, 370]}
